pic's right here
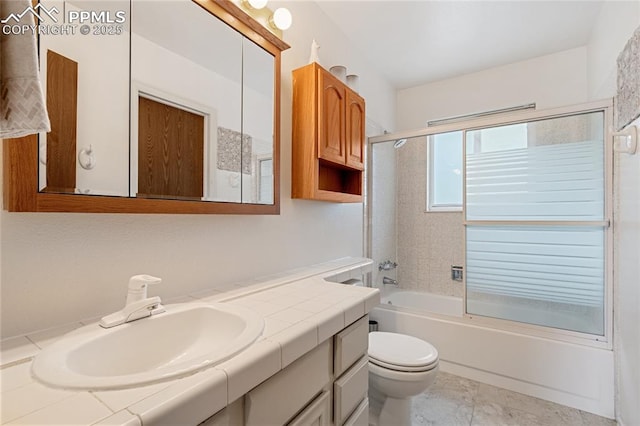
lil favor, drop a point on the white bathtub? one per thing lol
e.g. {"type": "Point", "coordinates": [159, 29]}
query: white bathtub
{"type": "Point", "coordinates": [424, 302]}
{"type": "Point", "coordinates": [571, 374]}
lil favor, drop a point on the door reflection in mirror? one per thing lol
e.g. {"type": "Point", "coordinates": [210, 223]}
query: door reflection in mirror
{"type": "Point", "coordinates": [170, 151]}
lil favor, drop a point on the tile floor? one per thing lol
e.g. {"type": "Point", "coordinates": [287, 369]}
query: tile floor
{"type": "Point", "coordinates": [456, 401]}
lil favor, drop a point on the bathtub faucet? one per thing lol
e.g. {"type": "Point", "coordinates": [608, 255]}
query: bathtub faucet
{"type": "Point", "coordinates": [389, 281]}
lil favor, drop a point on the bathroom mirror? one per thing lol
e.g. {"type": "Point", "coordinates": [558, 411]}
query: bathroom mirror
{"type": "Point", "coordinates": [224, 109]}
{"type": "Point", "coordinates": [189, 124]}
{"type": "Point", "coordinates": [85, 78]}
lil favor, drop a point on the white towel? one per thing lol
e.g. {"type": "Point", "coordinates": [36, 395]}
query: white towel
{"type": "Point", "coordinates": [22, 107]}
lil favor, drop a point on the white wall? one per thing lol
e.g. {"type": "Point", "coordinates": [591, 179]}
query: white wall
{"type": "Point", "coordinates": [627, 301]}
{"type": "Point", "coordinates": [615, 24]}
{"type": "Point", "coordinates": [58, 268]}
{"type": "Point", "coordinates": [553, 80]}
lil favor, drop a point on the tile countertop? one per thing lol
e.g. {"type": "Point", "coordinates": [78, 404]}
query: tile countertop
{"type": "Point", "coordinates": [301, 308]}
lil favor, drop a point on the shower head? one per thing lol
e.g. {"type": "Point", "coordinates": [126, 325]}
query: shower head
{"type": "Point", "coordinates": [397, 144]}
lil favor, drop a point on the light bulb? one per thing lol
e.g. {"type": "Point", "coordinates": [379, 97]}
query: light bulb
{"type": "Point", "coordinates": [255, 4]}
{"type": "Point", "coordinates": [281, 18]}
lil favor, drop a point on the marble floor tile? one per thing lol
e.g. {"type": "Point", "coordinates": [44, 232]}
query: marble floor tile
{"type": "Point", "coordinates": [549, 412]}
{"type": "Point", "coordinates": [494, 414]}
{"type": "Point", "coordinates": [457, 401]}
{"type": "Point", "coordinates": [455, 383]}
{"type": "Point", "coordinates": [589, 419]}
{"type": "Point", "coordinates": [441, 408]}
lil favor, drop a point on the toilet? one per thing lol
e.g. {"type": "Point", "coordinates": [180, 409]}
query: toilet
{"type": "Point", "coordinates": [400, 367]}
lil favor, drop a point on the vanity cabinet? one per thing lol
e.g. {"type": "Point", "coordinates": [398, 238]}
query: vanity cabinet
{"type": "Point", "coordinates": [318, 413]}
{"type": "Point", "coordinates": [328, 137]}
{"type": "Point", "coordinates": [278, 400]}
{"type": "Point", "coordinates": [351, 373]}
{"type": "Point", "coordinates": [326, 386]}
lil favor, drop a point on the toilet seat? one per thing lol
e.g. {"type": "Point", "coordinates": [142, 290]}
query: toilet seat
{"type": "Point", "coordinates": [401, 368]}
{"type": "Point", "coordinates": [400, 352]}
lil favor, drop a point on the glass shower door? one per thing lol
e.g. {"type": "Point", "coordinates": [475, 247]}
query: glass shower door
{"type": "Point", "coordinates": [535, 216]}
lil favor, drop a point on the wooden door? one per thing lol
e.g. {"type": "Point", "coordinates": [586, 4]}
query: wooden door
{"type": "Point", "coordinates": [331, 118]}
{"type": "Point", "coordinates": [170, 151]}
{"type": "Point", "coordinates": [355, 142]}
{"type": "Point", "coordinates": [62, 104]}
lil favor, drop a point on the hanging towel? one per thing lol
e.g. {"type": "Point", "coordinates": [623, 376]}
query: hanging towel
{"type": "Point", "coordinates": [22, 107]}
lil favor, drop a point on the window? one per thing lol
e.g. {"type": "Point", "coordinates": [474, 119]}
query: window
{"type": "Point", "coordinates": [444, 187]}
{"type": "Point", "coordinates": [265, 180]}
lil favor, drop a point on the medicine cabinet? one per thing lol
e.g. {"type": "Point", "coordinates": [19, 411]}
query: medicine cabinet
{"type": "Point", "coordinates": [175, 109]}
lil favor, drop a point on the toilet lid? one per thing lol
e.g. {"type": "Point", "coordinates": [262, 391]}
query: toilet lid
{"type": "Point", "coordinates": [403, 369]}
{"type": "Point", "coordinates": [401, 352]}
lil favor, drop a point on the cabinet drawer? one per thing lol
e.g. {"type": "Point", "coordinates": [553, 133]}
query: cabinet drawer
{"type": "Point", "coordinates": [350, 389]}
{"type": "Point", "coordinates": [351, 344]}
{"type": "Point", "coordinates": [318, 413]}
{"type": "Point", "coordinates": [360, 417]}
{"type": "Point", "coordinates": [279, 398]}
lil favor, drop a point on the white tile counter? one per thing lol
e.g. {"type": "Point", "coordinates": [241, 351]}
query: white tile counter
{"type": "Point", "coordinates": [301, 309]}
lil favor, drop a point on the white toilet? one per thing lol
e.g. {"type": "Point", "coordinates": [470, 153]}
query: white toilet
{"type": "Point", "coordinates": [400, 367]}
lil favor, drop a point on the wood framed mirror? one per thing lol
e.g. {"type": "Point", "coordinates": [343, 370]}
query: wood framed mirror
{"type": "Point", "coordinates": [227, 154]}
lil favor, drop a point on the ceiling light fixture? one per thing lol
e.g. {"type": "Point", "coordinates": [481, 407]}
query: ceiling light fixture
{"type": "Point", "coordinates": [281, 19]}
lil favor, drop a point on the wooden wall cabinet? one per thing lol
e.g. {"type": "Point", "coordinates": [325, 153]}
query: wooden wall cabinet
{"type": "Point", "coordinates": [328, 137]}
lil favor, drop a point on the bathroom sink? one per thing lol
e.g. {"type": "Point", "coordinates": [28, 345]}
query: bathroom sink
{"type": "Point", "coordinates": [185, 339]}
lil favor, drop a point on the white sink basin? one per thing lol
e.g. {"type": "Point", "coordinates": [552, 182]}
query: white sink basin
{"type": "Point", "coordinates": [183, 340]}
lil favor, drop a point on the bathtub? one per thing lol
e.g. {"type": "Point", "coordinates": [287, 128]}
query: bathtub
{"type": "Point", "coordinates": [416, 301]}
{"type": "Point", "coordinates": [576, 375]}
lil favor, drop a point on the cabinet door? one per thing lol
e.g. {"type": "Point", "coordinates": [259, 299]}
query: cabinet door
{"type": "Point", "coordinates": [349, 390]}
{"type": "Point", "coordinates": [355, 131]}
{"type": "Point", "coordinates": [360, 417]}
{"type": "Point", "coordinates": [318, 413]}
{"type": "Point", "coordinates": [279, 398]}
{"type": "Point", "coordinates": [331, 118]}
{"type": "Point", "coordinates": [351, 344]}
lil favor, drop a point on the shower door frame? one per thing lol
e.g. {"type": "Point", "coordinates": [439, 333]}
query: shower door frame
{"type": "Point", "coordinates": [604, 106]}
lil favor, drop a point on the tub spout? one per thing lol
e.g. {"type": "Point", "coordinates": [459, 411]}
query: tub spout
{"type": "Point", "coordinates": [389, 281]}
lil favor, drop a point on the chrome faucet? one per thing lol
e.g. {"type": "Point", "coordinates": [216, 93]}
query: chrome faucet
{"type": "Point", "coordinates": [138, 305]}
{"type": "Point", "coordinates": [389, 281]}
